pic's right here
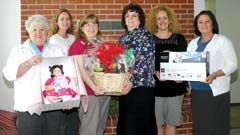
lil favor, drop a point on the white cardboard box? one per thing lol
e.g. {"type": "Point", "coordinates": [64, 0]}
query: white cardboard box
{"type": "Point", "coordinates": [70, 84]}
{"type": "Point", "coordinates": [184, 66]}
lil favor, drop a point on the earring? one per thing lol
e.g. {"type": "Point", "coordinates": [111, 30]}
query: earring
{"type": "Point", "coordinates": [156, 29]}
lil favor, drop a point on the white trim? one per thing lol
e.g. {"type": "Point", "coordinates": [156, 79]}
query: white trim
{"type": "Point", "coordinates": [199, 5]}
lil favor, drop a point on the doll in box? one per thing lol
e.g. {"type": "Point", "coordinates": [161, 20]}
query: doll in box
{"type": "Point", "coordinates": [57, 87]}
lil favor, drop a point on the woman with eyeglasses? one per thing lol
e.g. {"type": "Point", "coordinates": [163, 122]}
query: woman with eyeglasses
{"type": "Point", "coordinates": [136, 106]}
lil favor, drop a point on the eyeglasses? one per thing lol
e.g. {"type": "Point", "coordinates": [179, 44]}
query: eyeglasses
{"type": "Point", "coordinates": [131, 16]}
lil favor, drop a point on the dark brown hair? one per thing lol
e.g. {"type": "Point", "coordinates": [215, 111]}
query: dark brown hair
{"type": "Point", "coordinates": [213, 19]}
{"type": "Point", "coordinates": [133, 8]}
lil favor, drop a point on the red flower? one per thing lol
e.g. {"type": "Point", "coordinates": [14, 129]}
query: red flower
{"type": "Point", "coordinates": [107, 52]}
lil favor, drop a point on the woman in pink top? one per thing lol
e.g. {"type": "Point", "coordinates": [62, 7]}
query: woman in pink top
{"type": "Point", "coordinates": [93, 122]}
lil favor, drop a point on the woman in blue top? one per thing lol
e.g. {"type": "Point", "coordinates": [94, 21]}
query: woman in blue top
{"type": "Point", "coordinates": [136, 107]}
{"type": "Point", "coordinates": [211, 98]}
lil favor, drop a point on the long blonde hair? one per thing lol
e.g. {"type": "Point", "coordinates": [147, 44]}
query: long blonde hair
{"type": "Point", "coordinates": [53, 25]}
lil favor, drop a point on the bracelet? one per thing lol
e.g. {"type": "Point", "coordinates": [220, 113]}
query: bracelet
{"type": "Point", "coordinates": [28, 64]}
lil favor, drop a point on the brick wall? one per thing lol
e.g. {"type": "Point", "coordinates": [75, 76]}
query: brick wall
{"type": "Point", "coordinates": [106, 9]}
{"type": "Point", "coordinates": [111, 9]}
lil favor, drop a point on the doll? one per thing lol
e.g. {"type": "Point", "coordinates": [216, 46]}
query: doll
{"type": "Point", "coordinates": [57, 87]}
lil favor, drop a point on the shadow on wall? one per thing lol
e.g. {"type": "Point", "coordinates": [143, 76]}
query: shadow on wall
{"type": "Point", "coordinates": [9, 84]}
{"type": "Point", "coordinates": [234, 76]}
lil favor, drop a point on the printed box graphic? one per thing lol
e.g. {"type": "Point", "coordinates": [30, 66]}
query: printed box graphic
{"type": "Point", "coordinates": [185, 66]}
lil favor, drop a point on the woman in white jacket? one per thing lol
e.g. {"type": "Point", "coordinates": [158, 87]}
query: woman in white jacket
{"type": "Point", "coordinates": [211, 98]}
{"type": "Point", "coordinates": [23, 68]}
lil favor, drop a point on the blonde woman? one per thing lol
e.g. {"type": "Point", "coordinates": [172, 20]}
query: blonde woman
{"type": "Point", "coordinates": [163, 25]}
{"type": "Point", "coordinates": [61, 29]}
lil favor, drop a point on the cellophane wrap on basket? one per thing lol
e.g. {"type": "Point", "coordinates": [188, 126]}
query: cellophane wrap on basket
{"type": "Point", "coordinates": [110, 66]}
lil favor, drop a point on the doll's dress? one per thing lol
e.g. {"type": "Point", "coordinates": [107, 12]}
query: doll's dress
{"type": "Point", "coordinates": [58, 86]}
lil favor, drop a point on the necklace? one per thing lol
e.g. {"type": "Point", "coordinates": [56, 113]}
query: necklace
{"type": "Point", "coordinates": [36, 50]}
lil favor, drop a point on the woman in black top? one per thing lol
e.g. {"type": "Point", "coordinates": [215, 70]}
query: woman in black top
{"type": "Point", "coordinates": [168, 94]}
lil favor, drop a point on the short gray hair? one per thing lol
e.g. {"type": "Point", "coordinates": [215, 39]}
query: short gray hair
{"type": "Point", "coordinates": [36, 19]}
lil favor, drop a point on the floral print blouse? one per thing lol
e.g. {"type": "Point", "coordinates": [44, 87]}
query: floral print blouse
{"type": "Point", "coordinates": [143, 45]}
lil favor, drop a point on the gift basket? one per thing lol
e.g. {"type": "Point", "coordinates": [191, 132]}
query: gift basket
{"type": "Point", "coordinates": [110, 66]}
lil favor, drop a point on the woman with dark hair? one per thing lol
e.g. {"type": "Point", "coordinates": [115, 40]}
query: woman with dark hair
{"type": "Point", "coordinates": [136, 106]}
{"type": "Point", "coordinates": [211, 99]}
